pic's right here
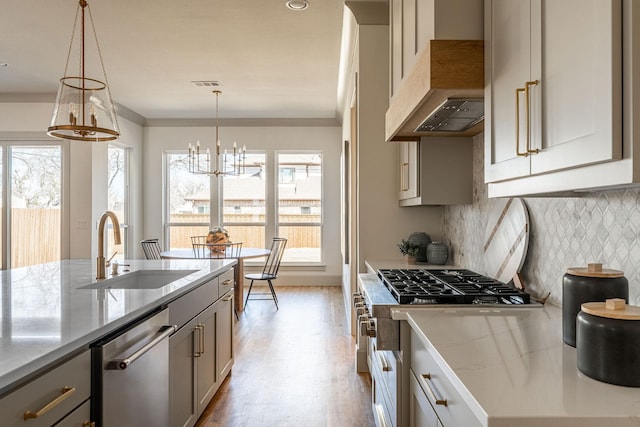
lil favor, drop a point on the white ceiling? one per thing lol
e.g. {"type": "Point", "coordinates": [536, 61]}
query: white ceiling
{"type": "Point", "coordinates": [272, 62]}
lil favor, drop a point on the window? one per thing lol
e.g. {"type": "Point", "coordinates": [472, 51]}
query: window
{"type": "Point", "coordinates": [118, 197]}
{"type": "Point", "coordinates": [299, 205]}
{"type": "Point", "coordinates": [35, 202]}
{"type": "Point", "coordinates": [244, 208]}
{"type": "Point", "coordinates": [188, 200]}
{"type": "Point", "coordinates": [254, 205]}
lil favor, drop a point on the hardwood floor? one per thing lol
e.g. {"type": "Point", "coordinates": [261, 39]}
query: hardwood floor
{"type": "Point", "coordinates": [294, 366]}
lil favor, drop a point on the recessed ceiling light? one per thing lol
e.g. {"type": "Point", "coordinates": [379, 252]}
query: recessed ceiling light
{"type": "Point", "coordinates": [297, 4]}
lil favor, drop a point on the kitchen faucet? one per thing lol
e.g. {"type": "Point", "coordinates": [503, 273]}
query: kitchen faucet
{"type": "Point", "coordinates": [101, 264]}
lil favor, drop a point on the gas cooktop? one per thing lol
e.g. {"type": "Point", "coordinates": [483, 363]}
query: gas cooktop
{"type": "Point", "coordinates": [459, 286]}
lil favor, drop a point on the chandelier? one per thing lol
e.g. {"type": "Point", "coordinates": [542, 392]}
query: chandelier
{"type": "Point", "coordinates": [200, 160]}
{"type": "Point", "coordinates": [84, 110]}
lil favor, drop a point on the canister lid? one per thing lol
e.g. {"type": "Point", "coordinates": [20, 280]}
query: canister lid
{"type": "Point", "coordinates": [615, 308]}
{"type": "Point", "coordinates": [595, 270]}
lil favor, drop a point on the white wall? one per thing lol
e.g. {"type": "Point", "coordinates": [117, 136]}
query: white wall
{"type": "Point", "coordinates": [158, 139]}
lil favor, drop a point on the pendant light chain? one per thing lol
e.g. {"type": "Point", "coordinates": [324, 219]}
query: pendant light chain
{"type": "Point", "coordinates": [104, 72]}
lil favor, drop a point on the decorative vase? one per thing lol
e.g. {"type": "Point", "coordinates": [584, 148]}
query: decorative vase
{"type": "Point", "coordinates": [437, 253]}
{"type": "Point", "coordinates": [421, 239]}
{"type": "Point", "coordinates": [411, 260]}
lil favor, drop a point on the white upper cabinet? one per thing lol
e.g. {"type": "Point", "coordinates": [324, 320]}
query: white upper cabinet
{"type": "Point", "coordinates": [553, 95]}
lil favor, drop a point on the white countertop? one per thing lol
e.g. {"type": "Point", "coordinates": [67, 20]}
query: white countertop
{"type": "Point", "coordinates": [513, 369]}
{"type": "Point", "coordinates": [45, 317]}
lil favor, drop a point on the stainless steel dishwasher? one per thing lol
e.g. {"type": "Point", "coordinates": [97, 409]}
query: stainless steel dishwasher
{"type": "Point", "coordinates": [130, 379]}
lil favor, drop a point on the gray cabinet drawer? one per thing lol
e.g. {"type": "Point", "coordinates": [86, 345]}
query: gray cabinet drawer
{"type": "Point", "coordinates": [63, 388]}
{"type": "Point", "coordinates": [187, 306]}
{"type": "Point", "coordinates": [81, 417]}
{"type": "Point", "coordinates": [437, 386]}
{"type": "Point", "coordinates": [226, 282]}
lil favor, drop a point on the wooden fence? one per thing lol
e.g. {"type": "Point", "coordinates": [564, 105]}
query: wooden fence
{"type": "Point", "coordinates": [250, 235]}
{"type": "Point", "coordinates": [35, 236]}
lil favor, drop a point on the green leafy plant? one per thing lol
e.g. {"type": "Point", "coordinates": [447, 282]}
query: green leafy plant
{"type": "Point", "coordinates": [408, 248]}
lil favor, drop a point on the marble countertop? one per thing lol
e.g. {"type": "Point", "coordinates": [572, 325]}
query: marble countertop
{"type": "Point", "coordinates": [45, 316]}
{"type": "Point", "coordinates": [513, 369]}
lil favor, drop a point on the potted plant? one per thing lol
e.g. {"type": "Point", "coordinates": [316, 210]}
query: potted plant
{"type": "Point", "coordinates": [409, 249]}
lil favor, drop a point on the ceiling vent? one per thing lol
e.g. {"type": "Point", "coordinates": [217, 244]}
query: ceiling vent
{"type": "Point", "coordinates": [207, 83]}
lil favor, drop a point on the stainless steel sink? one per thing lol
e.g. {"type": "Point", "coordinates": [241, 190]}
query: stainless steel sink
{"type": "Point", "coordinates": [141, 279]}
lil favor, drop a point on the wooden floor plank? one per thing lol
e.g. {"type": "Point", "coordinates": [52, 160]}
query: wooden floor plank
{"type": "Point", "coordinates": [294, 366]}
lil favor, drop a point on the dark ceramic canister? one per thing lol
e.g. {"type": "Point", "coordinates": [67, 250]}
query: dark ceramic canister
{"type": "Point", "coordinates": [608, 342]}
{"type": "Point", "coordinates": [421, 239]}
{"type": "Point", "coordinates": [590, 284]}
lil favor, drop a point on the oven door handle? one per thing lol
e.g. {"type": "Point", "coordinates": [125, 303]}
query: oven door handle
{"type": "Point", "coordinates": [123, 363]}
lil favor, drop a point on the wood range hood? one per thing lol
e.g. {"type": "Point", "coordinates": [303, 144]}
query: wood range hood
{"type": "Point", "coordinates": [445, 70]}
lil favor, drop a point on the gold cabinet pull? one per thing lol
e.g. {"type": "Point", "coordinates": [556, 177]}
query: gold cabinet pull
{"type": "Point", "coordinates": [66, 392]}
{"type": "Point", "coordinates": [518, 152]}
{"type": "Point", "coordinates": [88, 424]}
{"type": "Point", "coordinates": [198, 352]}
{"type": "Point", "coordinates": [527, 85]}
{"type": "Point", "coordinates": [227, 298]}
{"type": "Point", "coordinates": [201, 325]}
{"type": "Point", "coordinates": [527, 102]}
{"type": "Point", "coordinates": [404, 177]}
{"type": "Point", "coordinates": [437, 400]}
{"type": "Point", "coordinates": [227, 282]}
{"type": "Point", "coordinates": [384, 364]}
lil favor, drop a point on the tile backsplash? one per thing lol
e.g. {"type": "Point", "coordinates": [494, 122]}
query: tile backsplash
{"type": "Point", "coordinates": [564, 232]}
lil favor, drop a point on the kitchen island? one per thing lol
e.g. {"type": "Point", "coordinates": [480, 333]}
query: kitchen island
{"type": "Point", "coordinates": [47, 315]}
{"type": "Point", "coordinates": [509, 367]}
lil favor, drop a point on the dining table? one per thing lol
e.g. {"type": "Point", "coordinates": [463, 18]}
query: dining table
{"type": "Point", "coordinates": [238, 289]}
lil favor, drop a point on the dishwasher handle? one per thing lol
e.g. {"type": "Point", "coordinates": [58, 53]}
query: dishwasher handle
{"type": "Point", "coordinates": [120, 364]}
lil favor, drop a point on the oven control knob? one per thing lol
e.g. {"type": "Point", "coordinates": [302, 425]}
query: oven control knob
{"type": "Point", "coordinates": [363, 324]}
{"type": "Point", "coordinates": [357, 297]}
{"type": "Point", "coordinates": [371, 328]}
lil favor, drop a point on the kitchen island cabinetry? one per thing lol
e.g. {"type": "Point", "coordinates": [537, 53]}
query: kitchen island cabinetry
{"type": "Point", "coordinates": [436, 171]}
{"type": "Point", "coordinates": [553, 94]}
{"type": "Point", "coordinates": [201, 351]}
{"type": "Point", "coordinates": [51, 396]}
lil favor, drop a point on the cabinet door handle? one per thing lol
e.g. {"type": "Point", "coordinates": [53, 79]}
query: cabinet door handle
{"type": "Point", "coordinates": [66, 392]}
{"type": "Point", "coordinates": [228, 298]}
{"type": "Point", "coordinates": [520, 90]}
{"type": "Point", "coordinates": [227, 282]}
{"type": "Point", "coordinates": [201, 339]}
{"type": "Point", "coordinates": [198, 329]}
{"type": "Point", "coordinates": [88, 424]}
{"type": "Point", "coordinates": [404, 177]}
{"type": "Point", "coordinates": [380, 413]}
{"type": "Point", "coordinates": [525, 90]}
{"type": "Point", "coordinates": [429, 390]}
{"type": "Point", "coordinates": [527, 85]}
{"type": "Point", "coordinates": [384, 364]}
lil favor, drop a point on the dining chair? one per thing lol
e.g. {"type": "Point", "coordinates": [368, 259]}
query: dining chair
{"type": "Point", "coordinates": [151, 248]}
{"type": "Point", "coordinates": [270, 270]}
{"type": "Point", "coordinates": [217, 250]}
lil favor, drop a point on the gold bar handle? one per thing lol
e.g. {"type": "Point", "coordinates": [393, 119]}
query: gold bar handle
{"type": "Point", "coordinates": [438, 401]}
{"type": "Point", "coordinates": [404, 177]}
{"type": "Point", "coordinates": [66, 392]}
{"type": "Point", "coordinates": [384, 364]}
{"type": "Point", "coordinates": [527, 85]}
{"type": "Point", "coordinates": [227, 298]}
{"type": "Point", "coordinates": [198, 352]}
{"type": "Point", "coordinates": [227, 282]}
{"type": "Point", "coordinates": [88, 424]}
{"type": "Point", "coordinates": [518, 153]}
{"type": "Point", "coordinates": [201, 339]}
{"type": "Point", "coordinates": [381, 416]}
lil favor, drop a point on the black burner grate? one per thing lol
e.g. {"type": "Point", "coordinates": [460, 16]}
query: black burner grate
{"type": "Point", "coordinates": [421, 286]}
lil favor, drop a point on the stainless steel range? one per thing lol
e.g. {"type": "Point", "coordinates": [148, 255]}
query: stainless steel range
{"type": "Point", "coordinates": [379, 343]}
